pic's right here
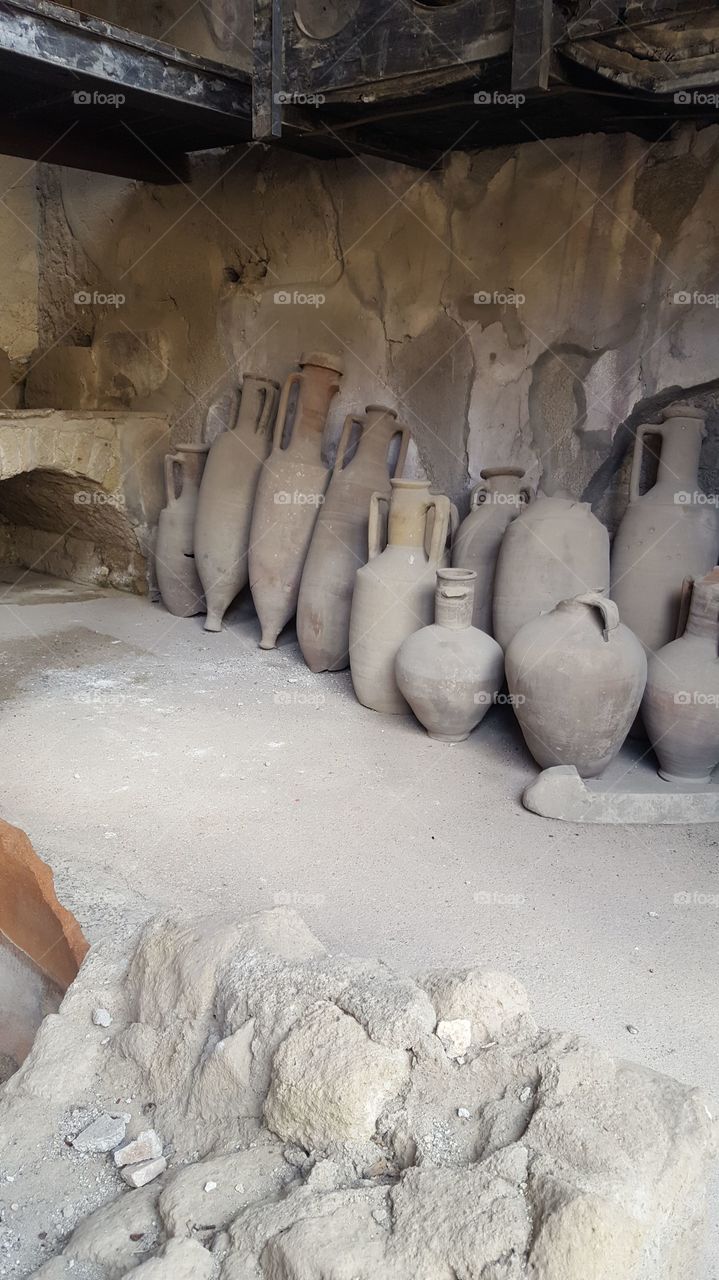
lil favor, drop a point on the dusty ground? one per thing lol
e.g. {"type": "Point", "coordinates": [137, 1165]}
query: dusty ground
{"type": "Point", "coordinates": [153, 764]}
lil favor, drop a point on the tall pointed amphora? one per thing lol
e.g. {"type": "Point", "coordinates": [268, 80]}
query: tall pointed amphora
{"type": "Point", "coordinates": [227, 494]}
{"type": "Point", "coordinates": [667, 534]}
{"type": "Point", "coordinates": [290, 492]}
{"type": "Point", "coordinates": [394, 591]}
{"type": "Point", "coordinates": [493, 505]}
{"type": "Point", "coordinates": [177, 577]}
{"type": "Point", "coordinates": [339, 544]}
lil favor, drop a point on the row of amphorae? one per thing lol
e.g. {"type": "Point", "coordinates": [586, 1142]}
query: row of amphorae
{"type": "Point", "coordinates": [432, 617]}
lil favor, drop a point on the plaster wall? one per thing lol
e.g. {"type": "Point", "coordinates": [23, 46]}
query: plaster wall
{"type": "Point", "coordinates": [19, 258]}
{"type": "Point", "coordinates": [528, 304]}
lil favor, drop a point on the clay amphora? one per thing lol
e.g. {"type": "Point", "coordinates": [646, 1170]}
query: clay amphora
{"type": "Point", "coordinates": [227, 493]}
{"type": "Point", "coordinates": [667, 534]}
{"type": "Point", "coordinates": [339, 542]}
{"type": "Point", "coordinates": [493, 505]}
{"type": "Point", "coordinates": [576, 677]}
{"type": "Point", "coordinates": [450, 672]}
{"type": "Point", "coordinates": [177, 577]}
{"type": "Point", "coordinates": [554, 550]}
{"type": "Point", "coordinates": [290, 492]}
{"type": "Point", "coordinates": [394, 591]}
{"type": "Point", "coordinates": [681, 703]}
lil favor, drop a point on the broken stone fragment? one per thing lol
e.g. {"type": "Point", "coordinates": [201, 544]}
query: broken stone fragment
{"type": "Point", "coordinates": [146, 1146]}
{"type": "Point", "coordinates": [138, 1175]}
{"type": "Point", "coordinates": [101, 1017]}
{"type": "Point", "coordinates": [455, 1036]}
{"type": "Point", "coordinates": [493, 1002]}
{"type": "Point", "coordinates": [104, 1134]}
{"type": "Point", "coordinates": [330, 1081]}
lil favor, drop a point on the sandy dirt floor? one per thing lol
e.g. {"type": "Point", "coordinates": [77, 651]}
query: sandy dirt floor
{"type": "Point", "coordinates": [155, 766]}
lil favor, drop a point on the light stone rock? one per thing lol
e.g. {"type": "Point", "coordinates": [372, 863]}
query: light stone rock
{"type": "Point", "coordinates": [104, 1238]}
{"type": "Point", "coordinates": [138, 1175]}
{"type": "Point", "coordinates": [491, 1001]}
{"type": "Point", "coordinates": [102, 1135]}
{"type": "Point", "coordinates": [146, 1146]}
{"type": "Point", "coordinates": [330, 1081]}
{"type": "Point", "coordinates": [455, 1035]}
{"type": "Point", "coordinates": [101, 1018]}
{"type": "Point", "coordinates": [179, 1260]}
{"type": "Point", "coordinates": [237, 1179]}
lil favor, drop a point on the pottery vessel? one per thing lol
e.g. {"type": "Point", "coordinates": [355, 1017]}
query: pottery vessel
{"type": "Point", "coordinates": [339, 542]}
{"type": "Point", "coordinates": [554, 550]}
{"type": "Point", "coordinates": [290, 493]}
{"type": "Point", "coordinates": [450, 672]}
{"type": "Point", "coordinates": [177, 576]}
{"type": "Point", "coordinates": [681, 703]}
{"type": "Point", "coordinates": [227, 493]}
{"type": "Point", "coordinates": [667, 534]}
{"type": "Point", "coordinates": [576, 678]}
{"type": "Point", "coordinates": [394, 591]}
{"type": "Point", "coordinates": [493, 504]}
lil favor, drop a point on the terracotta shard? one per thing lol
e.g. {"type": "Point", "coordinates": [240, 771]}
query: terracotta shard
{"type": "Point", "coordinates": [31, 916]}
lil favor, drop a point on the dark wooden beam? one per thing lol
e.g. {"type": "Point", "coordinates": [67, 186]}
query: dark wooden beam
{"type": "Point", "coordinates": [532, 45]}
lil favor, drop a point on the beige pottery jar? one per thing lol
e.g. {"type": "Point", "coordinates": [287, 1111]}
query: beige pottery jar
{"type": "Point", "coordinates": [339, 544]}
{"type": "Point", "coordinates": [576, 677]}
{"type": "Point", "coordinates": [554, 550]}
{"type": "Point", "coordinates": [493, 504]}
{"type": "Point", "coordinates": [667, 534]}
{"type": "Point", "coordinates": [681, 703]}
{"type": "Point", "coordinates": [450, 672]}
{"type": "Point", "coordinates": [290, 493]}
{"type": "Point", "coordinates": [177, 577]}
{"type": "Point", "coordinates": [227, 494]}
{"type": "Point", "coordinates": [394, 591]}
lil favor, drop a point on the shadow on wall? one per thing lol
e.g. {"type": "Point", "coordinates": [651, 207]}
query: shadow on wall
{"type": "Point", "coordinates": [71, 528]}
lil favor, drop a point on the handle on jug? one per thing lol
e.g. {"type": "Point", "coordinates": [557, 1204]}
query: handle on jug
{"type": "Point", "coordinates": [607, 608]}
{"type": "Point", "coordinates": [442, 516]}
{"type": "Point", "coordinates": [269, 405]}
{"type": "Point", "coordinates": [647, 429]}
{"type": "Point", "coordinates": [376, 526]}
{"type": "Point", "coordinates": [343, 445]}
{"type": "Point", "coordinates": [405, 436]}
{"type": "Point", "coordinates": [171, 461]}
{"type": "Point", "coordinates": [291, 380]}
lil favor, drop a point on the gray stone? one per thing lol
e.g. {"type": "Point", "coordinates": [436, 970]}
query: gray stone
{"type": "Point", "coordinates": [101, 1018]}
{"type": "Point", "coordinates": [102, 1135]}
{"type": "Point", "coordinates": [455, 1036]}
{"type": "Point", "coordinates": [559, 792]}
{"type": "Point", "coordinates": [138, 1175]}
{"type": "Point", "coordinates": [146, 1146]}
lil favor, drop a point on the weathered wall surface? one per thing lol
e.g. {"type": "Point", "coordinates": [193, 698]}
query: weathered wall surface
{"type": "Point", "coordinates": [218, 29]}
{"type": "Point", "coordinates": [19, 263]}
{"type": "Point", "coordinates": [527, 304]}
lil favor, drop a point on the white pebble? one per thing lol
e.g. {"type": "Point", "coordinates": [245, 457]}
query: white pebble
{"type": "Point", "coordinates": [101, 1017]}
{"type": "Point", "coordinates": [210, 1186]}
{"type": "Point", "coordinates": [138, 1175]}
{"type": "Point", "coordinates": [463, 1113]}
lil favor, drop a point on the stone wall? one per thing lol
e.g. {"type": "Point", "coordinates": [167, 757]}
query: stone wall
{"type": "Point", "coordinates": [527, 304]}
{"type": "Point", "coordinates": [19, 256]}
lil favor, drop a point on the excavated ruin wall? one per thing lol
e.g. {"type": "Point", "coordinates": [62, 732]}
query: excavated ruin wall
{"type": "Point", "coordinates": [528, 304]}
